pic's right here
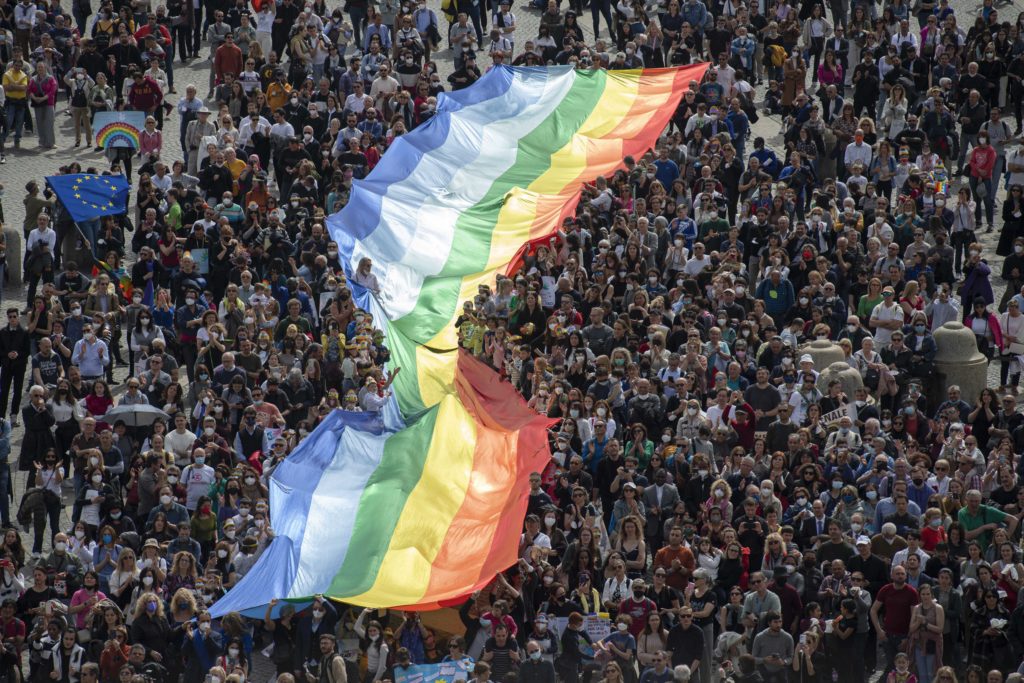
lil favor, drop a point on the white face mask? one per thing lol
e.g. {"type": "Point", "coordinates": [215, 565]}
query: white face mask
{"type": "Point", "coordinates": [147, 580]}
{"type": "Point", "coordinates": [172, 479]}
{"type": "Point", "coordinates": [232, 652]}
{"type": "Point", "coordinates": [209, 431]}
{"type": "Point", "coordinates": [165, 499]}
{"type": "Point", "coordinates": [250, 481]}
{"type": "Point", "coordinates": [550, 520]}
{"type": "Point", "coordinates": [222, 553]}
{"type": "Point", "coordinates": [61, 546]}
{"type": "Point", "coordinates": [79, 534]}
{"type": "Point", "coordinates": [97, 479]}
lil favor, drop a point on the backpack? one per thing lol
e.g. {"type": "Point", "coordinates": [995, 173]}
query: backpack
{"type": "Point", "coordinates": [78, 95]}
{"type": "Point", "coordinates": [777, 55]}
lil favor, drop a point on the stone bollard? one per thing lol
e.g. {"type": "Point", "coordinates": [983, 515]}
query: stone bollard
{"type": "Point", "coordinates": [823, 352]}
{"type": "Point", "coordinates": [15, 251]}
{"type": "Point", "coordinates": [848, 376]}
{"type": "Point", "coordinates": [959, 360]}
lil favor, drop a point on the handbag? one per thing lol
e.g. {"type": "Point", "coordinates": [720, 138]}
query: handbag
{"type": "Point", "coordinates": [981, 190]}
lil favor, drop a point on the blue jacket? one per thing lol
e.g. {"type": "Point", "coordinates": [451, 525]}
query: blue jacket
{"type": "Point", "coordinates": [769, 162]}
{"type": "Point", "coordinates": [777, 299]}
{"type": "Point", "coordinates": [696, 14]}
{"type": "Point", "coordinates": [740, 124]}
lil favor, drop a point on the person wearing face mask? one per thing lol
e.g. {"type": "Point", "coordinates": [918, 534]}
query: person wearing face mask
{"type": "Point", "coordinates": [197, 479]}
{"type": "Point", "coordinates": [115, 517]}
{"type": "Point", "coordinates": [176, 513]}
{"type": "Point", "coordinates": [203, 647]}
{"type": "Point", "coordinates": [66, 568]}
{"type": "Point", "coordinates": [541, 649]}
{"type": "Point", "coordinates": [620, 646]}
{"type": "Point", "coordinates": [982, 163]}
{"type": "Point", "coordinates": [187, 321]}
{"type": "Point", "coordinates": [94, 497]}
{"type": "Point", "coordinates": [322, 618]}
{"type": "Point", "coordinates": [251, 436]}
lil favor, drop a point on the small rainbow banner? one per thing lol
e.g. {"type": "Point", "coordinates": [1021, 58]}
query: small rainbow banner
{"type": "Point", "coordinates": [118, 128]}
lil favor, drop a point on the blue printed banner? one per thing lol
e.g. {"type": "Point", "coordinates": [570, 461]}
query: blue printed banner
{"type": "Point", "coordinates": [445, 672]}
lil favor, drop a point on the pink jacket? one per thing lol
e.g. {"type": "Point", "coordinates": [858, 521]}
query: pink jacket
{"type": "Point", "coordinates": [150, 142]}
{"type": "Point", "coordinates": [47, 87]}
{"type": "Point", "coordinates": [828, 76]}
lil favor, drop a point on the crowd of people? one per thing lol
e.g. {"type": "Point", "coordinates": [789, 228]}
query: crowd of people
{"type": "Point", "coordinates": [698, 506]}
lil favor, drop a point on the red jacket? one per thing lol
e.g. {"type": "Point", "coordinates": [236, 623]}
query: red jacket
{"type": "Point", "coordinates": [163, 36]}
{"type": "Point", "coordinates": [227, 59]}
{"type": "Point", "coordinates": [145, 96]}
{"type": "Point", "coordinates": [982, 161]}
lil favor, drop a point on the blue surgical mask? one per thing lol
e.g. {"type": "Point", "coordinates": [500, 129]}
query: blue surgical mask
{"type": "Point", "coordinates": [107, 538]}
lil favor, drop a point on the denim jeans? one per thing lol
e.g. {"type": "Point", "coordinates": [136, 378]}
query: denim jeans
{"type": "Point", "coordinates": [16, 112]}
{"type": "Point", "coordinates": [925, 665]}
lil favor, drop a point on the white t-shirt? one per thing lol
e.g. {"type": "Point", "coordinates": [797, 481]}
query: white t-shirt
{"type": "Point", "coordinates": [884, 335]}
{"type": "Point", "coordinates": [179, 444]}
{"type": "Point", "coordinates": [695, 265]}
{"type": "Point", "coordinates": [91, 511]}
{"type": "Point", "coordinates": [265, 21]}
{"type": "Point", "coordinates": [197, 480]}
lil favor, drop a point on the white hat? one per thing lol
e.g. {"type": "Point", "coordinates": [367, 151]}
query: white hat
{"type": "Point", "coordinates": [863, 540]}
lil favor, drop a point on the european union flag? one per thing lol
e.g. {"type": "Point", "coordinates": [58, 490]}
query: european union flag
{"type": "Point", "coordinates": [87, 196]}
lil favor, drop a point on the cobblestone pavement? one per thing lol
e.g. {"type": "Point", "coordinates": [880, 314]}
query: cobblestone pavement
{"type": "Point", "coordinates": [32, 162]}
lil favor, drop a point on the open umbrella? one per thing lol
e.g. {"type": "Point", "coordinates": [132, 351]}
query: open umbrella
{"type": "Point", "coordinates": [139, 415]}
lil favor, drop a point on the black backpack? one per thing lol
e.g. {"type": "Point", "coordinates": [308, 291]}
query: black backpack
{"type": "Point", "coordinates": [78, 94]}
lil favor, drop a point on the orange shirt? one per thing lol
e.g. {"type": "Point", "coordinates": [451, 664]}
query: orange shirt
{"type": "Point", "coordinates": [665, 556]}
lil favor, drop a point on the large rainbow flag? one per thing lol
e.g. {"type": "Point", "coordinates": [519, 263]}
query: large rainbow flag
{"type": "Point", "coordinates": [423, 503]}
